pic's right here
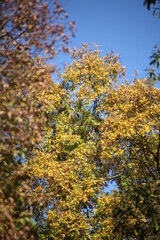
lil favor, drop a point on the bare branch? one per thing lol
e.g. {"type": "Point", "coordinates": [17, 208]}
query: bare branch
{"type": "Point", "coordinates": [114, 177]}
{"type": "Point", "coordinates": [7, 20]}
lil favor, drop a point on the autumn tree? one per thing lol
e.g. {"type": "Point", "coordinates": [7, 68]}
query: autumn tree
{"type": "Point", "coordinates": [61, 144]}
{"type": "Point", "coordinates": [130, 147]}
{"type": "Point", "coordinates": [28, 29]}
{"type": "Point", "coordinates": [101, 131]}
{"type": "Point", "coordinates": [68, 164]}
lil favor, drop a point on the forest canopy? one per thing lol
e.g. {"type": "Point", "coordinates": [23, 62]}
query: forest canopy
{"type": "Point", "coordinates": [63, 143]}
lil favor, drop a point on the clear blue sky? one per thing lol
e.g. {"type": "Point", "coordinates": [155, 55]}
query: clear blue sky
{"type": "Point", "coordinates": [124, 26]}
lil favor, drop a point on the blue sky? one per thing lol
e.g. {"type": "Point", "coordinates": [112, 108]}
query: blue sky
{"type": "Point", "coordinates": [124, 26]}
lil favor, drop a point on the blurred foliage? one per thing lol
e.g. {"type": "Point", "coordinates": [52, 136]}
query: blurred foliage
{"type": "Point", "coordinates": [153, 71]}
{"type": "Point", "coordinates": [153, 5]}
{"type": "Point", "coordinates": [27, 29]}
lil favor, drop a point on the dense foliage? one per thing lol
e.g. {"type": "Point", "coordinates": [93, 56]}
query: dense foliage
{"type": "Point", "coordinates": [101, 131]}
{"type": "Point", "coordinates": [62, 144]}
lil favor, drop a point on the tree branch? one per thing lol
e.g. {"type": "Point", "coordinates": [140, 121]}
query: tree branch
{"type": "Point", "coordinates": [114, 177]}
{"type": "Point", "coordinates": [7, 20]}
{"type": "Point", "coordinates": [157, 158]}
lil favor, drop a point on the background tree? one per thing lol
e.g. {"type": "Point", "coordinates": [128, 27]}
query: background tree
{"type": "Point", "coordinates": [27, 29]}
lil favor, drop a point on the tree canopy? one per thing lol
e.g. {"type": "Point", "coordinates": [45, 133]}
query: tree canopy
{"type": "Point", "coordinates": [63, 143]}
{"type": "Point", "coordinates": [102, 131]}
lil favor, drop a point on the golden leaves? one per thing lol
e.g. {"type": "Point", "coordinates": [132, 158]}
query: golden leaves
{"type": "Point", "coordinates": [96, 129]}
{"type": "Point", "coordinates": [90, 75]}
{"type": "Point", "coordinates": [132, 112]}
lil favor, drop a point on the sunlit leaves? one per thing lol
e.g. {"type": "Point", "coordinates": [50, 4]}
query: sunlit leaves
{"type": "Point", "coordinates": [100, 131]}
{"type": "Point", "coordinates": [68, 162]}
{"type": "Point", "coordinates": [132, 123]}
{"type": "Point", "coordinates": [130, 148]}
{"type": "Point", "coordinates": [90, 75]}
{"type": "Point", "coordinates": [62, 144]}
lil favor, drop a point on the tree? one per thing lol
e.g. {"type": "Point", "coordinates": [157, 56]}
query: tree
{"type": "Point", "coordinates": [132, 153]}
{"type": "Point", "coordinates": [61, 144]}
{"type": "Point", "coordinates": [28, 28]}
{"type": "Point", "coordinates": [100, 131]}
{"type": "Point", "coordinates": [68, 163]}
